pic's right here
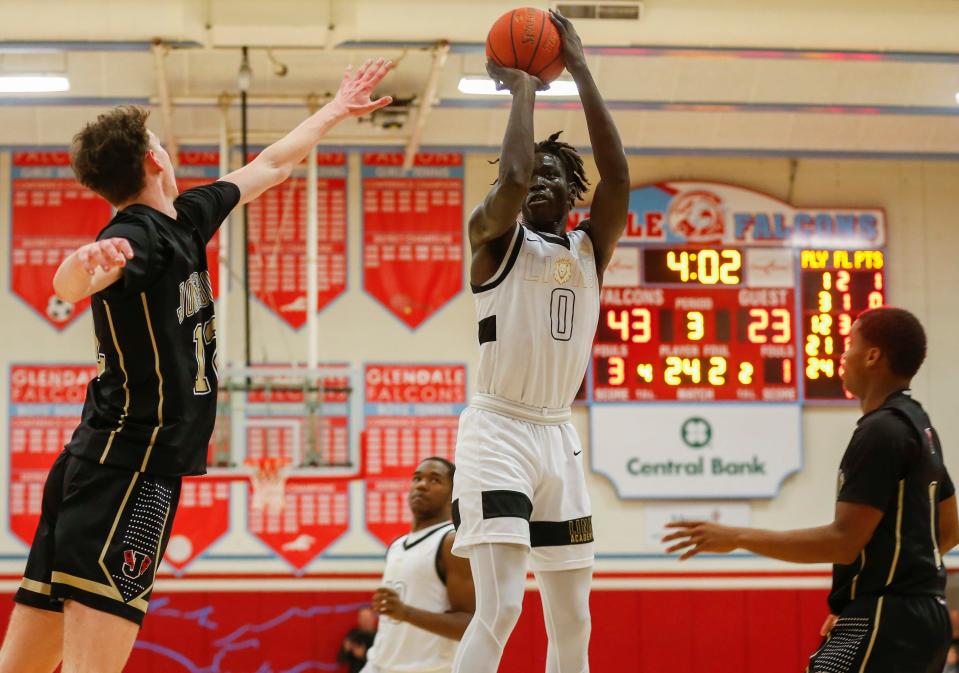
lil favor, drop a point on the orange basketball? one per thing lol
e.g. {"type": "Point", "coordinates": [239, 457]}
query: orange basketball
{"type": "Point", "coordinates": [527, 40]}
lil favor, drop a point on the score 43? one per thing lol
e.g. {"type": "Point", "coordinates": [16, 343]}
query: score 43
{"type": "Point", "coordinates": [765, 325]}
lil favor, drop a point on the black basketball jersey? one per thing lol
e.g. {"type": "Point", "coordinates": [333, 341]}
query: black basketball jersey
{"type": "Point", "coordinates": [153, 404]}
{"type": "Point", "coordinates": [894, 463]}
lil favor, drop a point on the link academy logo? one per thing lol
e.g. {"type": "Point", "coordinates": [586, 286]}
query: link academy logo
{"type": "Point", "coordinates": [696, 432]}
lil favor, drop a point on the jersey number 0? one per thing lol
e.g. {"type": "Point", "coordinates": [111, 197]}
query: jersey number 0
{"type": "Point", "coordinates": [562, 304]}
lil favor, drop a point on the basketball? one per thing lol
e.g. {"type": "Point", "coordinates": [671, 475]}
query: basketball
{"type": "Point", "coordinates": [527, 40]}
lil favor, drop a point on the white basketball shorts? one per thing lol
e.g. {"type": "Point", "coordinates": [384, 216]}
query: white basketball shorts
{"type": "Point", "coordinates": [521, 482]}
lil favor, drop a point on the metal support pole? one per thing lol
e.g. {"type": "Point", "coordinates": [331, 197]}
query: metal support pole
{"type": "Point", "coordinates": [223, 263]}
{"type": "Point", "coordinates": [245, 149]}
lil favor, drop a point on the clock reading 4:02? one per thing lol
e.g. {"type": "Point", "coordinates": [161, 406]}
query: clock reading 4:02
{"type": "Point", "coordinates": [703, 266]}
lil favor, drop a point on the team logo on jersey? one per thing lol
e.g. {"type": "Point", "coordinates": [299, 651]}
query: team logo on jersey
{"type": "Point", "coordinates": [563, 270]}
{"type": "Point", "coordinates": [840, 481]}
{"type": "Point", "coordinates": [696, 216]}
{"type": "Point", "coordinates": [135, 563]}
{"type": "Point", "coordinates": [196, 293]}
{"type": "Point", "coordinates": [932, 443]}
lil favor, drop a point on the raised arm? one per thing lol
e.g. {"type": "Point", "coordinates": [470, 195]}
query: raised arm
{"type": "Point", "coordinates": [493, 221]}
{"type": "Point", "coordinates": [274, 164]}
{"type": "Point", "coordinates": [610, 205]}
{"type": "Point", "coordinates": [459, 588]}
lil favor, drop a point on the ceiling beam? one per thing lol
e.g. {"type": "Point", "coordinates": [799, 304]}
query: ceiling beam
{"type": "Point", "coordinates": [160, 52]}
{"type": "Point", "coordinates": [440, 53]}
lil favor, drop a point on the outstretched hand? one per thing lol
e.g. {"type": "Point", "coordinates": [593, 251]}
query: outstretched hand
{"type": "Point", "coordinates": [354, 92]}
{"type": "Point", "coordinates": [511, 78]}
{"type": "Point", "coordinates": [573, 54]}
{"type": "Point", "coordinates": [696, 537]}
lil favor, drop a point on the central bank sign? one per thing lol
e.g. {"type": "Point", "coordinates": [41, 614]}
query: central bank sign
{"type": "Point", "coordinates": [682, 451]}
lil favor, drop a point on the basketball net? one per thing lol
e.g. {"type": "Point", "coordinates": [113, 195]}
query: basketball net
{"type": "Point", "coordinates": [268, 477]}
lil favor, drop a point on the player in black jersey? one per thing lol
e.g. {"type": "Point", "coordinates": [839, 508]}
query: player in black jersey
{"type": "Point", "coordinates": [895, 517]}
{"type": "Point", "coordinates": [110, 497]}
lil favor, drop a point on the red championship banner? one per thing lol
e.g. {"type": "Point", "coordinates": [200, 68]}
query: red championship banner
{"type": "Point", "coordinates": [413, 232]}
{"type": "Point", "coordinates": [301, 429]}
{"type": "Point", "coordinates": [315, 514]}
{"type": "Point", "coordinates": [52, 216]}
{"type": "Point", "coordinates": [277, 240]}
{"type": "Point", "coordinates": [412, 413]}
{"type": "Point", "coordinates": [45, 405]}
{"type": "Point", "coordinates": [200, 167]}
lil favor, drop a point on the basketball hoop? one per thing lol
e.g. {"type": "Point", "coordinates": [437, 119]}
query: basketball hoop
{"type": "Point", "coordinates": [268, 478]}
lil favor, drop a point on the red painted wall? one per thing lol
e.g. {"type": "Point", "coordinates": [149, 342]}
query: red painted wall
{"type": "Point", "coordinates": [676, 631]}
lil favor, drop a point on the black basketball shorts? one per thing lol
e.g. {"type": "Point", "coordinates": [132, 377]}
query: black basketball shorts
{"type": "Point", "coordinates": [887, 634]}
{"type": "Point", "coordinates": [101, 536]}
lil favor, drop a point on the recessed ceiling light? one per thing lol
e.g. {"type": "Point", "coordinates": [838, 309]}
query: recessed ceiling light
{"type": "Point", "coordinates": [483, 86]}
{"type": "Point", "coordinates": [33, 83]}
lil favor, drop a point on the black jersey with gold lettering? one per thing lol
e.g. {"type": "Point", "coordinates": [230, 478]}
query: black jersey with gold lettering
{"type": "Point", "coordinates": [153, 405]}
{"type": "Point", "coordinates": [894, 463]}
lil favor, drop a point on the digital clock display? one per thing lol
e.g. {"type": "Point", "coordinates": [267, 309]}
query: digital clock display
{"type": "Point", "coordinates": [695, 343]}
{"type": "Point", "coordinates": [836, 286]}
{"type": "Point", "coordinates": [703, 266]}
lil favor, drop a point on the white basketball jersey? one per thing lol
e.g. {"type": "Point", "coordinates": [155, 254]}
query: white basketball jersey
{"type": "Point", "coordinates": [412, 572]}
{"type": "Point", "coordinates": [537, 317]}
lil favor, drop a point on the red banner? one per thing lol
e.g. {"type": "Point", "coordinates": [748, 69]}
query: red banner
{"type": "Point", "coordinates": [45, 405]}
{"type": "Point", "coordinates": [52, 216]}
{"type": "Point", "coordinates": [277, 241]}
{"type": "Point", "coordinates": [315, 513]}
{"type": "Point", "coordinates": [412, 413]}
{"type": "Point", "coordinates": [202, 518]}
{"type": "Point", "coordinates": [197, 168]}
{"type": "Point", "coordinates": [413, 232]}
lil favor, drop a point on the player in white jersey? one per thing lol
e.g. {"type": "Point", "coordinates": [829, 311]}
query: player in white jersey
{"type": "Point", "coordinates": [426, 600]}
{"type": "Point", "coordinates": [519, 497]}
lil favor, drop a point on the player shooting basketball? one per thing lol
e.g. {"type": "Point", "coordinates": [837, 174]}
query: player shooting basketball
{"type": "Point", "coordinates": [520, 494]}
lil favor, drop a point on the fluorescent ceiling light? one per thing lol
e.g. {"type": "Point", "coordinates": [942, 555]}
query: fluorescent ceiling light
{"type": "Point", "coordinates": [483, 86]}
{"type": "Point", "coordinates": [957, 96]}
{"type": "Point", "coordinates": [33, 83]}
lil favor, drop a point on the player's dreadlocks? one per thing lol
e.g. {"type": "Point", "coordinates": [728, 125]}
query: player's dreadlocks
{"type": "Point", "coordinates": [572, 164]}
